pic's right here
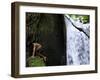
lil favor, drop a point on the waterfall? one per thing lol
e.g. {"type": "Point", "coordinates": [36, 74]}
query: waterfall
{"type": "Point", "coordinates": [77, 45]}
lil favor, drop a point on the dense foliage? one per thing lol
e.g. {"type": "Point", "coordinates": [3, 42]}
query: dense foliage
{"type": "Point", "coordinates": [83, 18]}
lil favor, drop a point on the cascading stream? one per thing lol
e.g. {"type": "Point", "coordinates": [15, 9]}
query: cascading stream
{"type": "Point", "coordinates": [77, 45]}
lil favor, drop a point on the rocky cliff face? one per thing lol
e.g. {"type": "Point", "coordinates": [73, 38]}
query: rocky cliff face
{"type": "Point", "coordinates": [47, 30]}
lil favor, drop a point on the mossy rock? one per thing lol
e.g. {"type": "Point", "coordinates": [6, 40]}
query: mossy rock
{"type": "Point", "coordinates": [35, 61]}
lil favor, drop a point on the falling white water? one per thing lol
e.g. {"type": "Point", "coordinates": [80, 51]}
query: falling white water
{"type": "Point", "coordinates": [77, 46]}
